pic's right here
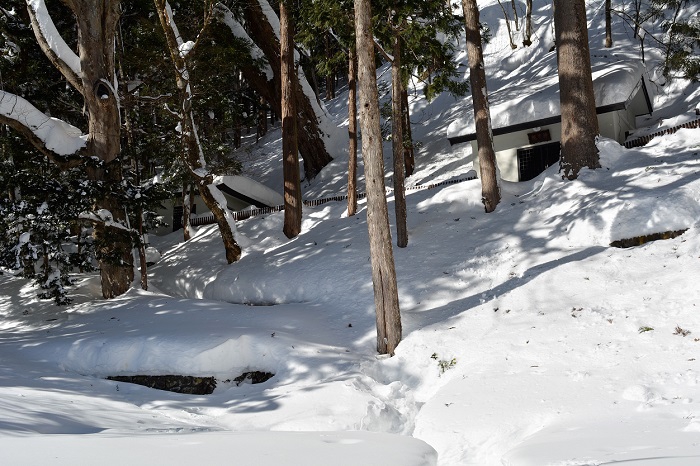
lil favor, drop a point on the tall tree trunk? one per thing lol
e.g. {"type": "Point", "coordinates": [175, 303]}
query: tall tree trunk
{"type": "Point", "coordinates": [330, 81]}
{"type": "Point", "coordinates": [510, 33]}
{"type": "Point", "coordinates": [352, 132]}
{"type": "Point", "coordinates": [187, 203]}
{"type": "Point", "coordinates": [408, 156]}
{"type": "Point", "coordinates": [92, 73]}
{"type": "Point", "coordinates": [113, 245]}
{"type": "Point", "coordinates": [386, 299]}
{"type": "Point", "coordinates": [397, 143]}
{"type": "Point", "coordinates": [637, 18]}
{"type": "Point", "coordinates": [490, 190]}
{"type": "Point", "coordinates": [608, 24]}
{"type": "Point", "coordinates": [579, 123]}
{"type": "Point", "coordinates": [311, 139]}
{"type": "Point", "coordinates": [127, 105]}
{"type": "Point", "coordinates": [290, 153]}
{"type": "Point", "coordinates": [97, 22]}
{"type": "Point", "coordinates": [527, 40]}
{"type": "Point", "coordinates": [192, 149]}
{"type": "Point", "coordinates": [262, 118]}
{"type": "Point", "coordinates": [515, 15]}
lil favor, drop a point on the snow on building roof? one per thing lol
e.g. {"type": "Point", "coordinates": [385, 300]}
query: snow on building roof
{"type": "Point", "coordinates": [248, 189]}
{"type": "Point", "coordinates": [615, 81]}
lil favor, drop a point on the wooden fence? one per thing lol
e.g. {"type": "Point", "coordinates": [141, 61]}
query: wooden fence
{"type": "Point", "coordinates": [208, 219]}
{"type": "Point", "coordinates": [641, 141]}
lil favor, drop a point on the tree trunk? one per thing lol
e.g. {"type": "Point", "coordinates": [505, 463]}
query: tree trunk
{"type": "Point", "coordinates": [193, 157]}
{"type": "Point", "coordinates": [515, 15]}
{"type": "Point", "coordinates": [579, 123]}
{"type": "Point", "coordinates": [397, 144]}
{"type": "Point", "coordinates": [262, 118]}
{"type": "Point", "coordinates": [311, 140]}
{"type": "Point", "coordinates": [527, 41]}
{"type": "Point", "coordinates": [330, 81]}
{"type": "Point", "coordinates": [187, 203]}
{"type": "Point", "coordinates": [113, 245]}
{"type": "Point", "coordinates": [608, 24]}
{"type": "Point", "coordinates": [215, 201]}
{"type": "Point", "coordinates": [352, 132]}
{"type": "Point", "coordinates": [490, 190]}
{"type": "Point", "coordinates": [290, 153]}
{"type": "Point", "coordinates": [97, 23]}
{"type": "Point", "coordinates": [386, 298]}
{"type": "Point", "coordinates": [92, 73]}
{"type": "Point", "coordinates": [127, 105]}
{"type": "Point", "coordinates": [408, 156]}
{"type": "Point", "coordinates": [510, 33]}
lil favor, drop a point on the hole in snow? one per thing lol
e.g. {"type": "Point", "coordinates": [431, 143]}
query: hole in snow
{"type": "Point", "coordinates": [172, 383]}
{"type": "Point", "coordinates": [190, 385]}
{"type": "Point", "coordinates": [639, 240]}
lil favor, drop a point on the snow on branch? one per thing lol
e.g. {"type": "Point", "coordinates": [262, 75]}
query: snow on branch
{"type": "Point", "coordinates": [237, 29]}
{"type": "Point", "coordinates": [176, 32]}
{"type": "Point", "coordinates": [52, 43]}
{"type": "Point", "coordinates": [104, 216]}
{"type": "Point", "coordinates": [55, 135]}
{"type": "Point", "coordinates": [271, 17]}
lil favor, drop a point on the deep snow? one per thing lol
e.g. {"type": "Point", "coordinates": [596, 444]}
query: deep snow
{"type": "Point", "coordinates": [528, 340]}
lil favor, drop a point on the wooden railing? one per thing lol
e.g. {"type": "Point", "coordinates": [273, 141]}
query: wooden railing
{"type": "Point", "coordinates": [641, 141]}
{"type": "Point", "coordinates": [208, 219]}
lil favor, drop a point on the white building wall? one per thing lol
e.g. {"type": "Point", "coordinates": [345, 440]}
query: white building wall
{"type": "Point", "coordinates": [612, 125]}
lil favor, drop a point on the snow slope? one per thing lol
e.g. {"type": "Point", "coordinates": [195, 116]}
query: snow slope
{"type": "Point", "coordinates": [528, 339]}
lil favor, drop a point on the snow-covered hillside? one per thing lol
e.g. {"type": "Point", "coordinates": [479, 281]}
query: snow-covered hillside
{"type": "Point", "coordinates": [528, 339]}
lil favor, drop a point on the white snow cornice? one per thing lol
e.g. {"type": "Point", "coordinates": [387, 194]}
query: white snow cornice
{"type": "Point", "coordinates": [51, 42]}
{"type": "Point", "coordinates": [226, 17]}
{"type": "Point", "coordinates": [271, 16]}
{"type": "Point", "coordinates": [173, 26]}
{"type": "Point", "coordinates": [56, 136]}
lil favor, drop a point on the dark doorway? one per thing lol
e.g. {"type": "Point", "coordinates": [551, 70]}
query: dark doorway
{"type": "Point", "coordinates": [177, 216]}
{"type": "Point", "coordinates": [534, 160]}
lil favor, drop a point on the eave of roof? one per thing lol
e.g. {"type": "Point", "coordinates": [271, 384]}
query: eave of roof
{"type": "Point", "coordinates": [532, 124]}
{"type": "Point", "coordinates": [528, 103]}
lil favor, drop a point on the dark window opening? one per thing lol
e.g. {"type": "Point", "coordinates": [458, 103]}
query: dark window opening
{"type": "Point", "coordinates": [534, 160]}
{"type": "Point", "coordinates": [177, 217]}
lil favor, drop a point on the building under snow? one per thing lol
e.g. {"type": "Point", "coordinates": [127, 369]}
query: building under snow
{"type": "Point", "coordinates": [526, 119]}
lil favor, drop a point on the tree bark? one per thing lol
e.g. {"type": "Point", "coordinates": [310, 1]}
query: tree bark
{"type": "Point", "coordinates": [311, 140]}
{"type": "Point", "coordinates": [527, 40]}
{"type": "Point", "coordinates": [330, 78]}
{"type": "Point", "coordinates": [386, 298]}
{"type": "Point", "coordinates": [352, 132]}
{"type": "Point", "coordinates": [408, 156]}
{"type": "Point", "coordinates": [193, 156]}
{"type": "Point", "coordinates": [127, 106]}
{"type": "Point", "coordinates": [397, 143]}
{"type": "Point", "coordinates": [510, 33]}
{"type": "Point", "coordinates": [608, 24]}
{"type": "Point", "coordinates": [187, 203]}
{"type": "Point", "coordinates": [97, 22]}
{"type": "Point", "coordinates": [290, 152]}
{"type": "Point", "coordinates": [490, 190]}
{"type": "Point", "coordinates": [579, 123]}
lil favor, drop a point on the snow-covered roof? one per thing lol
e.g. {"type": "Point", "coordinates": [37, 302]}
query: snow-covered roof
{"type": "Point", "coordinates": [249, 189]}
{"type": "Point", "coordinates": [615, 82]}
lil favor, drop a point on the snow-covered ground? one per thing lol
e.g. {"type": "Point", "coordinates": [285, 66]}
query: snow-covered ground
{"type": "Point", "coordinates": [528, 339]}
